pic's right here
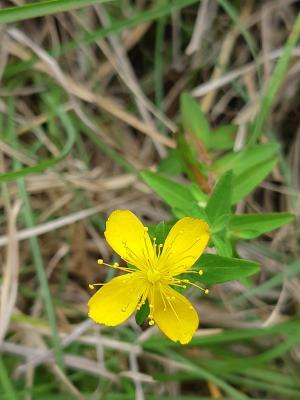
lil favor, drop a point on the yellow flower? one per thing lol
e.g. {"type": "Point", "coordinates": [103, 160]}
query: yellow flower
{"type": "Point", "coordinates": [157, 270]}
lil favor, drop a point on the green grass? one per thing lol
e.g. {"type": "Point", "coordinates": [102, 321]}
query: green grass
{"type": "Point", "coordinates": [29, 219]}
{"type": "Point", "coordinates": [42, 8]}
{"type": "Point", "coordinates": [276, 82]}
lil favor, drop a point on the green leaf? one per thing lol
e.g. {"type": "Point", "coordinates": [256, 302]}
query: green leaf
{"type": "Point", "coordinates": [176, 195]}
{"type": "Point", "coordinates": [160, 233]}
{"type": "Point", "coordinates": [243, 184]}
{"type": "Point", "coordinates": [241, 161]}
{"type": "Point", "coordinates": [219, 204]}
{"type": "Point", "coordinates": [193, 120]}
{"type": "Point", "coordinates": [217, 269]}
{"type": "Point", "coordinates": [173, 193]}
{"type": "Point", "coordinates": [172, 164]}
{"type": "Point", "coordinates": [198, 195]}
{"type": "Point", "coordinates": [249, 226]}
{"type": "Point", "coordinates": [222, 245]}
{"type": "Point", "coordinates": [222, 138]}
{"type": "Point", "coordinates": [39, 9]}
{"type": "Point", "coordinates": [195, 170]}
{"type": "Point", "coordinates": [142, 314]}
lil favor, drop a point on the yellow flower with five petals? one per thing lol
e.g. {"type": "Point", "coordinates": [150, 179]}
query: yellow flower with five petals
{"type": "Point", "coordinates": [158, 270]}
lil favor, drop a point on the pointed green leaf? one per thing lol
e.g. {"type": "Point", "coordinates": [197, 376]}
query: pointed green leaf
{"type": "Point", "coordinates": [198, 194]}
{"type": "Point", "coordinates": [217, 269]}
{"type": "Point", "coordinates": [219, 204]}
{"type": "Point", "coordinates": [243, 184]}
{"type": "Point", "coordinates": [249, 226]}
{"type": "Point", "coordinates": [176, 195]}
{"type": "Point", "coordinates": [241, 161]}
{"type": "Point", "coordinates": [173, 193]}
{"type": "Point", "coordinates": [160, 233]}
{"type": "Point", "coordinates": [222, 138]}
{"type": "Point", "coordinates": [193, 119]}
{"type": "Point", "coordinates": [222, 245]}
{"type": "Point", "coordinates": [172, 164]}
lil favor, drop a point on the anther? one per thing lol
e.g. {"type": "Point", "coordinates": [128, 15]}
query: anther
{"type": "Point", "coordinates": [92, 285]}
{"type": "Point", "coordinates": [151, 322]}
{"type": "Point", "coordinates": [206, 291]}
{"type": "Point", "coordinates": [100, 261]}
{"type": "Point", "coordinates": [145, 228]}
{"type": "Point", "coordinates": [200, 272]}
{"type": "Point", "coordinates": [116, 265]}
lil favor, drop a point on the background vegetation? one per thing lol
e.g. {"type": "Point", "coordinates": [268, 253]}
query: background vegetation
{"type": "Point", "coordinates": [99, 110]}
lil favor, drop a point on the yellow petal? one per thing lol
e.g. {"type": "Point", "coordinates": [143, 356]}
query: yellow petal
{"type": "Point", "coordinates": [174, 314]}
{"type": "Point", "coordinates": [116, 300]}
{"type": "Point", "coordinates": [129, 238]}
{"type": "Point", "coordinates": [185, 243]}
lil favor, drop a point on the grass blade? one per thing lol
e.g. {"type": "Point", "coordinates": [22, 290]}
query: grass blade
{"type": "Point", "coordinates": [27, 11]}
{"type": "Point", "coordinates": [35, 249]}
{"type": "Point", "coordinates": [71, 136]}
{"type": "Point", "coordinates": [6, 384]}
{"type": "Point", "coordinates": [275, 82]}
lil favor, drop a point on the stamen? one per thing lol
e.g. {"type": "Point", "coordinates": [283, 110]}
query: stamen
{"type": "Point", "coordinates": [206, 291]}
{"type": "Point", "coordinates": [116, 266]}
{"type": "Point", "coordinates": [160, 248]}
{"type": "Point", "coordinates": [151, 306]}
{"type": "Point", "coordinates": [179, 283]}
{"type": "Point", "coordinates": [142, 300]}
{"type": "Point", "coordinates": [92, 285]}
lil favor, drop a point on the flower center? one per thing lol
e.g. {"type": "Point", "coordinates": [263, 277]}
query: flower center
{"type": "Point", "coordinates": [153, 275]}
